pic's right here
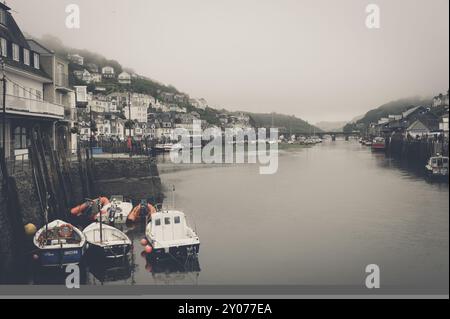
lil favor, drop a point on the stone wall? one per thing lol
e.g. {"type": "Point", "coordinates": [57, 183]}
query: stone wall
{"type": "Point", "coordinates": [6, 245]}
{"type": "Point", "coordinates": [135, 178]}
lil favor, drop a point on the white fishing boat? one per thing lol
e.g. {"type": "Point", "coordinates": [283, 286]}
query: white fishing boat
{"type": "Point", "coordinates": [168, 147]}
{"type": "Point", "coordinates": [437, 166]}
{"type": "Point", "coordinates": [58, 244]}
{"type": "Point", "coordinates": [169, 235]}
{"type": "Point", "coordinates": [106, 241]}
{"type": "Point", "coordinates": [159, 147]}
{"type": "Point", "coordinates": [117, 210]}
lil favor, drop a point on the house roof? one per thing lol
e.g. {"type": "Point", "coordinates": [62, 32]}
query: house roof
{"type": "Point", "coordinates": [12, 31]}
{"type": "Point", "coordinates": [39, 48]}
{"type": "Point", "coordinates": [13, 34]}
{"type": "Point", "coordinates": [424, 124]}
{"type": "Point", "coordinates": [411, 111]}
{"type": "Point", "coordinates": [4, 6]}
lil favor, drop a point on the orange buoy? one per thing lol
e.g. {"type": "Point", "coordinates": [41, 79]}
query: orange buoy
{"type": "Point", "coordinates": [135, 213]}
{"type": "Point", "coordinates": [148, 249]}
{"type": "Point", "coordinates": [144, 242]}
{"type": "Point", "coordinates": [78, 210]}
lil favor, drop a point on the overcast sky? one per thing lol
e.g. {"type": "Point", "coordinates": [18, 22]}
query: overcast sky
{"type": "Point", "coordinates": [312, 58]}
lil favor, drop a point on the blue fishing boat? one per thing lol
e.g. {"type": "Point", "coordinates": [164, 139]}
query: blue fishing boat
{"type": "Point", "coordinates": [59, 244]}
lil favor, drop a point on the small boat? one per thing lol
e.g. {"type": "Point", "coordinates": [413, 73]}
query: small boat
{"type": "Point", "coordinates": [106, 241]}
{"type": "Point", "coordinates": [159, 147]}
{"type": "Point", "coordinates": [169, 235]}
{"type": "Point", "coordinates": [378, 144]}
{"type": "Point", "coordinates": [59, 244]}
{"type": "Point", "coordinates": [90, 208]}
{"type": "Point", "coordinates": [437, 166]}
{"type": "Point", "coordinates": [168, 147]}
{"type": "Point", "coordinates": [143, 211]}
{"type": "Point", "coordinates": [117, 210]}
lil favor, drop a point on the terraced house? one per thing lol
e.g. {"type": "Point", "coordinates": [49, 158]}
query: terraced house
{"type": "Point", "coordinates": [37, 93]}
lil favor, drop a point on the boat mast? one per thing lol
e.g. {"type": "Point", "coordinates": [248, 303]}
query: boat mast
{"type": "Point", "coordinates": [101, 224]}
{"type": "Point", "coordinates": [173, 197]}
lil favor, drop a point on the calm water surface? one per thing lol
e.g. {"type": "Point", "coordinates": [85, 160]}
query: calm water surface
{"type": "Point", "coordinates": [330, 210]}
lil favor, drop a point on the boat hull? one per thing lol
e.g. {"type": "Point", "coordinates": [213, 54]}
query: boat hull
{"type": "Point", "coordinates": [109, 252]}
{"type": "Point", "coordinates": [175, 252]}
{"type": "Point", "coordinates": [378, 147]}
{"type": "Point", "coordinates": [60, 257]}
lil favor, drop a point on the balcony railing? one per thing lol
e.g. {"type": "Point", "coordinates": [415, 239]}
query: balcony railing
{"type": "Point", "coordinates": [33, 107]}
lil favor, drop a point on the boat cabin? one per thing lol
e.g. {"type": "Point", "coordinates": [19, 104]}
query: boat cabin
{"type": "Point", "coordinates": [169, 228]}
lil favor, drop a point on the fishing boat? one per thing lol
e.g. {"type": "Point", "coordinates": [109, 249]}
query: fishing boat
{"type": "Point", "coordinates": [106, 241]}
{"type": "Point", "coordinates": [169, 235]}
{"type": "Point", "coordinates": [117, 211]}
{"type": "Point", "coordinates": [59, 244]}
{"type": "Point", "coordinates": [437, 166]}
{"type": "Point", "coordinates": [378, 144]}
{"type": "Point", "coordinates": [168, 147]}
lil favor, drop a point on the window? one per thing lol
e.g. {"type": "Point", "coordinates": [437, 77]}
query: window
{"type": "Point", "coordinates": [26, 56]}
{"type": "Point", "coordinates": [4, 47]}
{"type": "Point", "coordinates": [15, 51]}
{"type": "Point", "coordinates": [36, 61]}
{"type": "Point", "coordinates": [167, 220]}
{"type": "Point", "coordinates": [176, 219]}
{"type": "Point", "coordinates": [16, 90]}
{"type": "Point", "coordinates": [20, 138]}
{"type": "Point", "coordinates": [38, 95]}
{"type": "Point", "coordinates": [3, 16]}
{"type": "Point", "coordinates": [158, 222]}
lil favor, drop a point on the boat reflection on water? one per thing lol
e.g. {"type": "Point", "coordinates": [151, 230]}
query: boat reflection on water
{"type": "Point", "coordinates": [108, 271]}
{"type": "Point", "coordinates": [55, 275]}
{"type": "Point", "coordinates": [174, 270]}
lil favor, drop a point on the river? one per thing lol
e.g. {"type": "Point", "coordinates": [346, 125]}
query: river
{"type": "Point", "coordinates": [329, 211]}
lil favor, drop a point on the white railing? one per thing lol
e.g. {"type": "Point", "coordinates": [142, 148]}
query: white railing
{"type": "Point", "coordinates": [34, 107]}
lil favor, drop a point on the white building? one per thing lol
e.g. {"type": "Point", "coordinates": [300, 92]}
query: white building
{"type": "Point", "coordinates": [108, 72]}
{"type": "Point", "coordinates": [25, 82]}
{"type": "Point", "coordinates": [124, 78]}
{"type": "Point", "coordinates": [441, 100]}
{"type": "Point", "coordinates": [443, 124]}
{"type": "Point", "coordinates": [136, 113]}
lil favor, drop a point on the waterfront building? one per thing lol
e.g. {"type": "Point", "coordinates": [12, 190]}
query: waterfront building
{"type": "Point", "coordinates": [28, 100]}
{"type": "Point", "coordinates": [59, 91]}
{"type": "Point", "coordinates": [420, 128]}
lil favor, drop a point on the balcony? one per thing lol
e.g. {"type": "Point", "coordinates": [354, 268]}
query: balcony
{"type": "Point", "coordinates": [62, 80]}
{"type": "Point", "coordinates": [33, 107]}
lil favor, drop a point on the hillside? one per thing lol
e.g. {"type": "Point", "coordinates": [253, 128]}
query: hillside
{"type": "Point", "coordinates": [391, 108]}
{"type": "Point", "coordinates": [331, 126]}
{"type": "Point", "coordinates": [146, 85]}
{"type": "Point", "coordinates": [285, 123]}
{"type": "Point", "coordinates": [139, 85]}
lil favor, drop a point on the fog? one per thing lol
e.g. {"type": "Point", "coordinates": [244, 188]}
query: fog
{"type": "Point", "coordinates": [312, 58]}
